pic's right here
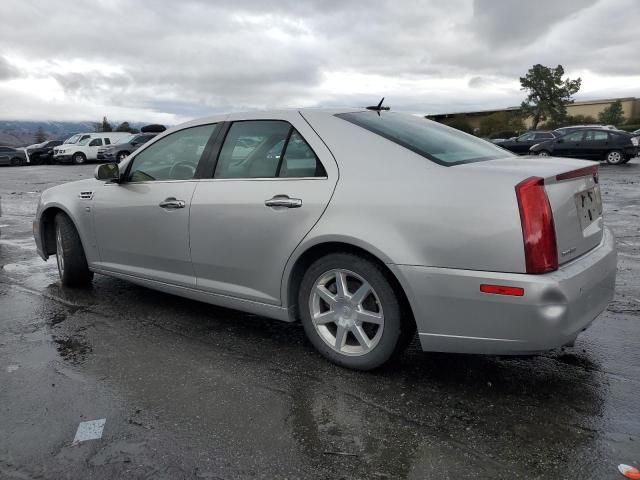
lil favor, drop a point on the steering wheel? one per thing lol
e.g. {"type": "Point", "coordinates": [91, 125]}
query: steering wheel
{"type": "Point", "coordinates": [182, 171]}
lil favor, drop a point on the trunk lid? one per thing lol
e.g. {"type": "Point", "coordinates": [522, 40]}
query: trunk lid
{"type": "Point", "coordinates": [573, 193]}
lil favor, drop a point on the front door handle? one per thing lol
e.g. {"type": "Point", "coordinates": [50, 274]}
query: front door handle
{"type": "Point", "coordinates": [283, 201]}
{"type": "Point", "coordinates": [171, 203]}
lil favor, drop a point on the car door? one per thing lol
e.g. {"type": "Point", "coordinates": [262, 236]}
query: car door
{"type": "Point", "coordinates": [522, 144]}
{"type": "Point", "coordinates": [595, 144]}
{"type": "Point", "coordinates": [142, 223]}
{"type": "Point", "coordinates": [5, 158]}
{"type": "Point", "coordinates": [273, 180]}
{"type": "Point", "coordinates": [91, 150]}
{"type": "Point", "coordinates": [568, 145]}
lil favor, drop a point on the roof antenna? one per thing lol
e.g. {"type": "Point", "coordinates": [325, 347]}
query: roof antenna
{"type": "Point", "coordinates": [379, 107]}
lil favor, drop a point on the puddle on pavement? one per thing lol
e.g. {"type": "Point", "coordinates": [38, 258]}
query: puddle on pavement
{"type": "Point", "coordinates": [72, 349]}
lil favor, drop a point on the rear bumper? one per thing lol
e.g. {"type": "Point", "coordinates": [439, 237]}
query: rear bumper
{"type": "Point", "coordinates": [452, 315]}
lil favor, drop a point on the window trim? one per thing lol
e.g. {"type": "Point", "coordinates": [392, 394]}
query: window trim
{"type": "Point", "coordinates": [204, 157]}
{"type": "Point", "coordinates": [224, 131]}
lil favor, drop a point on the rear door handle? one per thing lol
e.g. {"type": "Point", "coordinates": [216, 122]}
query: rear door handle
{"type": "Point", "coordinates": [171, 203]}
{"type": "Point", "coordinates": [283, 201]}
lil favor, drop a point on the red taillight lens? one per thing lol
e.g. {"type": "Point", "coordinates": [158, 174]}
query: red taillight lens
{"type": "Point", "coordinates": [538, 232]}
{"type": "Point", "coordinates": [502, 290]}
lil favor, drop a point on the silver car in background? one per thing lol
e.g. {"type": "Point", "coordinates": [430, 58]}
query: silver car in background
{"type": "Point", "coordinates": [364, 225]}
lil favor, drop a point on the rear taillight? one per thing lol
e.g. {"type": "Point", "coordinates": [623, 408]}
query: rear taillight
{"type": "Point", "coordinates": [538, 232]}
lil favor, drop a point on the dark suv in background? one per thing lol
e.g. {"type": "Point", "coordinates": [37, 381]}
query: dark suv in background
{"type": "Point", "coordinates": [524, 142]}
{"type": "Point", "coordinates": [119, 151]}
{"type": "Point", "coordinates": [614, 146]}
{"type": "Point", "coordinates": [41, 153]}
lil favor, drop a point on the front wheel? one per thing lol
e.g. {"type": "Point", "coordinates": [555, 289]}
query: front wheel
{"type": "Point", "coordinates": [351, 312]}
{"type": "Point", "coordinates": [17, 162]}
{"type": "Point", "coordinates": [79, 158]}
{"type": "Point", "coordinates": [614, 157]}
{"type": "Point", "coordinates": [544, 153]}
{"type": "Point", "coordinates": [72, 262]}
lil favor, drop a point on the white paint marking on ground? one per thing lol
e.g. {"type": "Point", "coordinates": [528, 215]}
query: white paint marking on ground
{"type": "Point", "coordinates": [91, 430]}
{"type": "Point", "coordinates": [12, 368]}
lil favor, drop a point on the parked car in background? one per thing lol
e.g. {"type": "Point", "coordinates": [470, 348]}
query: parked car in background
{"type": "Point", "coordinates": [42, 152]}
{"type": "Point", "coordinates": [12, 156]}
{"type": "Point", "coordinates": [564, 130]}
{"type": "Point", "coordinates": [86, 149]}
{"type": "Point", "coordinates": [76, 138]}
{"type": "Point", "coordinates": [123, 147]}
{"type": "Point", "coordinates": [524, 142]}
{"type": "Point", "coordinates": [311, 221]}
{"type": "Point", "coordinates": [614, 146]}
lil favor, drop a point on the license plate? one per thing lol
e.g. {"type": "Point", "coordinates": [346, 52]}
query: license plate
{"type": "Point", "coordinates": [589, 206]}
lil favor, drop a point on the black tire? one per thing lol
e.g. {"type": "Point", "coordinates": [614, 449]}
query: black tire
{"type": "Point", "coordinates": [78, 158]}
{"type": "Point", "coordinates": [398, 327]}
{"type": "Point", "coordinates": [614, 157]}
{"type": "Point", "coordinates": [544, 153]}
{"type": "Point", "coordinates": [17, 162]}
{"type": "Point", "coordinates": [70, 257]}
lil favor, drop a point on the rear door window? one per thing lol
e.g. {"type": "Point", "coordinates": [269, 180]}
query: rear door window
{"type": "Point", "coordinates": [266, 149]}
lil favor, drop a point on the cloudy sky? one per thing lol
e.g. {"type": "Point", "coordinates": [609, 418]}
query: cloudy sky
{"type": "Point", "coordinates": [168, 60]}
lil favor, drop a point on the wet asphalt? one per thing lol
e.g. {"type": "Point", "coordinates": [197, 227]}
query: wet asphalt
{"type": "Point", "coordinates": [189, 390]}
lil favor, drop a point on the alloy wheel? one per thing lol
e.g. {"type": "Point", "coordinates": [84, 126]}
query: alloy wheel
{"type": "Point", "coordinates": [544, 153]}
{"type": "Point", "coordinates": [346, 312]}
{"type": "Point", "coordinates": [614, 157]}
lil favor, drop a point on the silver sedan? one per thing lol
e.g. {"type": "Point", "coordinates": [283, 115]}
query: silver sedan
{"type": "Point", "coordinates": [364, 225]}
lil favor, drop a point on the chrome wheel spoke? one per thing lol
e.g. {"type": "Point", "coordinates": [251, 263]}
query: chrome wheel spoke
{"type": "Point", "coordinates": [341, 337]}
{"type": "Point", "coordinates": [361, 336]}
{"type": "Point", "coordinates": [341, 284]}
{"type": "Point", "coordinates": [370, 317]}
{"type": "Point", "coordinates": [363, 292]}
{"type": "Point", "coordinates": [325, 294]}
{"type": "Point", "coordinates": [324, 318]}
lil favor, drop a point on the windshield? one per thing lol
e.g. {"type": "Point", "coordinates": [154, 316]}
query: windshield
{"type": "Point", "coordinates": [84, 141]}
{"type": "Point", "coordinates": [72, 139]}
{"type": "Point", "coordinates": [439, 143]}
{"type": "Point", "coordinates": [126, 139]}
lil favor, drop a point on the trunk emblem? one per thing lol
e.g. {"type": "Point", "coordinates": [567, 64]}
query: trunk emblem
{"type": "Point", "coordinates": [568, 252]}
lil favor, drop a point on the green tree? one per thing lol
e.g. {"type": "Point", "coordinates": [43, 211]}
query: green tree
{"type": "Point", "coordinates": [40, 136]}
{"type": "Point", "coordinates": [547, 93]}
{"type": "Point", "coordinates": [459, 122]}
{"type": "Point", "coordinates": [612, 115]}
{"type": "Point", "coordinates": [125, 127]}
{"type": "Point", "coordinates": [570, 120]}
{"type": "Point", "coordinates": [103, 126]}
{"type": "Point", "coordinates": [502, 124]}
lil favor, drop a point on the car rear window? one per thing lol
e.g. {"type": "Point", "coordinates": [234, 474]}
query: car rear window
{"type": "Point", "coordinates": [439, 143]}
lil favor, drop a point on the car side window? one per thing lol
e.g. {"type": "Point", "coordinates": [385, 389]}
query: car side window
{"type": "Point", "coordinates": [107, 141]}
{"type": "Point", "coordinates": [526, 136]}
{"type": "Point", "coordinates": [174, 157]}
{"type": "Point", "coordinates": [96, 142]}
{"type": "Point", "coordinates": [596, 136]}
{"type": "Point", "coordinates": [543, 136]}
{"type": "Point", "coordinates": [252, 149]}
{"type": "Point", "coordinates": [300, 160]}
{"type": "Point", "coordinates": [266, 149]}
{"type": "Point", "coordinates": [575, 136]}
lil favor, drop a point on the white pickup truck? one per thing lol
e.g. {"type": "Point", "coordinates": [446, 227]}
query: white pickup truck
{"type": "Point", "coordinates": [86, 147]}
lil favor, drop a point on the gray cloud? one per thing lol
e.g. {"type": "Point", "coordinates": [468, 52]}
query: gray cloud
{"type": "Point", "coordinates": [194, 57]}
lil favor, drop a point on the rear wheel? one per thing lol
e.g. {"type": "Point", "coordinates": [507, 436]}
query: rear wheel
{"type": "Point", "coordinates": [544, 153]}
{"type": "Point", "coordinates": [351, 312]}
{"type": "Point", "coordinates": [72, 262]}
{"type": "Point", "coordinates": [614, 157]}
{"type": "Point", "coordinates": [79, 158]}
{"type": "Point", "coordinates": [17, 162]}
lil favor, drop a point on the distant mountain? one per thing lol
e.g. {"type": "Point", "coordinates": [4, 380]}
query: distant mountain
{"type": "Point", "coordinates": [15, 133]}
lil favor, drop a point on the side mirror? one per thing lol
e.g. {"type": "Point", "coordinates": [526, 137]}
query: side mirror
{"type": "Point", "coordinates": [107, 172]}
